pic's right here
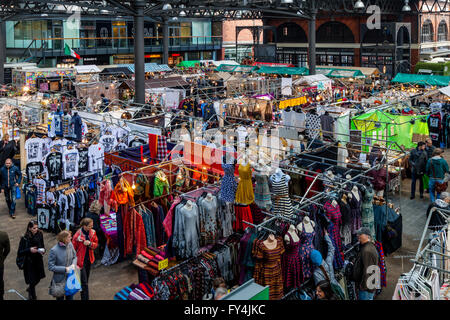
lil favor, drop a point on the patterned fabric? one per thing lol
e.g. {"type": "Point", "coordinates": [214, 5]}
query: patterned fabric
{"type": "Point", "coordinates": [282, 203]}
{"type": "Point", "coordinates": [312, 125]}
{"type": "Point", "coordinates": [262, 192]}
{"type": "Point", "coordinates": [292, 268]}
{"type": "Point", "coordinates": [228, 185]}
{"type": "Point", "coordinates": [367, 215]}
{"type": "Point", "coordinates": [268, 267]}
{"type": "Point", "coordinates": [162, 148]}
{"type": "Point", "coordinates": [381, 264]}
{"type": "Point", "coordinates": [244, 193]}
{"type": "Point", "coordinates": [305, 250]}
{"type": "Point", "coordinates": [334, 214]}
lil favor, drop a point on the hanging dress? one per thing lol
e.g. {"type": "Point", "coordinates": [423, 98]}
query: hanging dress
{"type": "Point", "coordinates": [244, 193]}
{"type": "Point", "coordinates": [268, 267]}
{"type": "Point", "coordinates": [292, 267]}
{"type": "Point", "coordinates": [355, 206]}
{"type": "Point", "coordinates": [282, 203]}
{"type": "Point", "coordinates": [305, 249]}
{"type": "Point", "coordinates": [262, 191]}
{"type": "Point", "coordinates": [334, 214]}
{"type": "Point", "coordinates": [367, 215]}
{"type": "Point", "coordinates": [228, 185]}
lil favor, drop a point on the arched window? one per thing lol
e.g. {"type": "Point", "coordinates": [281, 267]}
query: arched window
{"type": "Point", "coordinates": [334, 32]}
{"type": "Point", "coordinates": [378, 36]}
{"type": "Point", "coordinates": [442, 31]}
{"type": "Point", "coordinates": [427, 32]}
{"type": "Point", "coordinates": [291, 32]}
{"type": "Point", "coordinates": [403, 36]}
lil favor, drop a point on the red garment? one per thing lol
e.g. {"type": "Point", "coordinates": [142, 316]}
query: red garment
{"type": "Point", "coordinates": [146, 255]}
{"type": "Point", "coordinates": [134, 231]}
{"type": "Point", "coordinates": [167, 223]}
{"type": "Point", "coordinates": [317, 186]}
{"type": "Point", "coordinates": [80, 248]}
{"type": "Point", "coordinates": [153, 145]}
{"type": "Point", "coordinates": [379, 178]}
{"type": "Point", "coordinates": [242, 214]}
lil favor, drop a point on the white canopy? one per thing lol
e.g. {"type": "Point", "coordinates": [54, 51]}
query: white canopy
{"type": "Point", "coordinates": [218, 63]}
{"type": "Point", "coordinates": [90, 68]}
{"type": "Point", "coordinates": [312, 80]}
{"type": "Point", "coordinates": [445, 90]}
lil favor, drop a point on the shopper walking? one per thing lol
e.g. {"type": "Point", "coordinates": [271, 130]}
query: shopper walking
{"type": "Point", "coordinates": [418, 161]}
{"type": "Point", "coordinates": [61, 260]}
{"type": "Point", "coordinates": [10, 179]}
{"type": "Point", "coordinates": [31, 250]}
{"type": "Point", "coordinates": [436, 169]}
{"type": "Point", "coordinates": [85, 242]}
{"type": "Point", "coordinates": [5, 248]}
{"type": "Point", "coordinates": [366, 271]}
{"type": "Point", "coordinates": [94, 214]}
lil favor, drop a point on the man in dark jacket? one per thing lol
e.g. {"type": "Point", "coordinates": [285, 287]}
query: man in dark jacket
{"type": "Point", "coordinates": [4, 251]}
{"type": "Point", "coordinates": [10, 179]}
{"type": "Point", "coordinates": [366, 272]}
{"type": "Point", "coordinates": [418, 161]}
{"type": "Point", "coordinates": [429, 147]}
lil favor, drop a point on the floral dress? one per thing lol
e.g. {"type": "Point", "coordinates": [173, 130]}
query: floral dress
{"type": "Point", "coordinates": [228, 185]}
{"type": "Point", "coordinates": [305, 250]}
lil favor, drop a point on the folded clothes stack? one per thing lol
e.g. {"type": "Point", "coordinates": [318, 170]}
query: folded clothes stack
{"type": "Point", "coordinates": [142, 291]}
{"type": "Point", "coordinates": [148, 259]}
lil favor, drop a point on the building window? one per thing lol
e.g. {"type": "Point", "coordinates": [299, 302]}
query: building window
{"type": "Point", "coordinates": [442, 31]}
{"type": "Point", "coordinates": [427, 31]}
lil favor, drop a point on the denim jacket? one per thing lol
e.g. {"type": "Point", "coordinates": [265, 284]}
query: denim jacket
{"type": "Point", "coordinates": [15, 176]}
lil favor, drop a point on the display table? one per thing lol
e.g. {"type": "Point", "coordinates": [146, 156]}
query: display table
{"type": "Point", "coordinates": [109, 228]}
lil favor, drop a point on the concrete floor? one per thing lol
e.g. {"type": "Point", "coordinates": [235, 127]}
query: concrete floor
{"type": "Point", "coordinates": [106, 281]}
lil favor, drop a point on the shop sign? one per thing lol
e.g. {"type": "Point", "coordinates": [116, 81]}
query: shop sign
{"type": "Point", "coordinates": [150, 56]}
{"type": "Point", "coordinates": [163, 264]}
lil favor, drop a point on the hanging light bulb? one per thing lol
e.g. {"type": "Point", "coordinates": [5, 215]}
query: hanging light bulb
{"type": "Point", "coordinates": [133, 186]}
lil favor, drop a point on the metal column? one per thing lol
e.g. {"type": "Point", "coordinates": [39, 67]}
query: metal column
{"type": "Point", "coordinates": [165, 41]}
{"type": "Point", "coordinates": [139, 52]}
{"type": "Point", "coordinates": [312, 43]}
{"type": "Point", "coordinates": [2, 51]}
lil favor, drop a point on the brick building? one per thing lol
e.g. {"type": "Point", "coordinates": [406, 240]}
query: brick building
{"type": "Point", "coordinates": [244, 43]}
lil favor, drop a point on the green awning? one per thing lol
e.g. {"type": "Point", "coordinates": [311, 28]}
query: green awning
{"type": "Point", "coordinates": [283, 70]}
{"type": "Point", "coordinates": [188, 63]}
{"type": "Point", "coordinates": [423, 79]}
{"type": "Point", "coordinates": [340, 73]}
{"type": "Point", "coordinates": [235, 68]}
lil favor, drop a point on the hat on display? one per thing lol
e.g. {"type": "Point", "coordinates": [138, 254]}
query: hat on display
{"type": "Point", "coordinates": [365, 231]}
{"type": "Point", "coordinates": [316, 258]}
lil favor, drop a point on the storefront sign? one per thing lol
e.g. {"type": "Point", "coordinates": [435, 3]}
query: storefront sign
{"type": "Point", "coordinates": [163, 264]}
{"type": "Point", "coordinates": [150, 56]}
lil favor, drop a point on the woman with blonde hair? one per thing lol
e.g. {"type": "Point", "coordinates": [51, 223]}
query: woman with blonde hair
{"type": "Point", "coordinates": [61, 260]}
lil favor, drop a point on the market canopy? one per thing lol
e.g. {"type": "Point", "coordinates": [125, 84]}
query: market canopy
{"type": "Point", "coordinates": [236, 68]}
{"type": "Point", "coordinates": [149, 67]}
{"type": "Point", "coordinates": [312, 80]}
{"type": "Point", "coordinates": [92, 68]}
{"type": "Point", "coordinates": [229, 62]}
{"type": "Point", "coordinates": [445, 90]}
{"type": "Point", "coordinates": [368, 72]}
{"type": "Point", "coordinates": [283, 70]}
{"type": "Point", "coordinates": [405, 130]}
{"type": "Point", "coordinates": [171, 82]}
{"type": "Point", "coordinates": [340, 73]}
{"type": "Point", "coordinates": [188, 63]}
{"type": "Point", "coordinates": [423, 79]}
{"type": "Point", "coordinates": [116, 70]}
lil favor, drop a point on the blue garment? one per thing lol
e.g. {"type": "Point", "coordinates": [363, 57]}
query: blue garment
{"type": "Point", "coordinates": [77, 125]}
{"type": "Point", "coordinates": [380, 220]}
{"type": "Point", "coordinates": [149, 226]}
{"type": "Point", "coordinates": [15, 176]}
{"type": "Point", "coordinates": [58, 123]}
{"type": "Point", "coordinates": [228, 185]}
{"type": "Point", "coordinates": [365, 295]}
{"type": "Point", "coordinates": [432, 185]}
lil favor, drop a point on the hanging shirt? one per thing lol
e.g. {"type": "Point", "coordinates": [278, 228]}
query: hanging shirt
{"type": "Point", "coordinates": [33, 169]}
{"type": "Point", "coordinates": [108, 142]}
{"type": "Point", "coordinates": [53, 164]}
{"type": "Point", "coordinates": [40, 190]}
{"type": "Point", "coordinates": [46, 142]}
{"type": "Point", "coordinates": [59, 144]}
{"type": "Point", "coordinates": [65, 125]}
{"type": "Point", "coordinates": [121, 146]}
{"type": "Point", "coordinates": [57, 116]}
{"type": "Point", "coordinates": [136, 143]}
{"type": "Point", "coordinates": [33, 147]}
{"type": "Point", "coordinates": [70, 163]}
{"type": "Point", "coordinates": [83, 164]}
{"type": "Point", "coordinates": [96, 157]}
{"type": "Point", "coordinates": [51, 122]}
{"type": "Point", "coordinates": [84, 129]}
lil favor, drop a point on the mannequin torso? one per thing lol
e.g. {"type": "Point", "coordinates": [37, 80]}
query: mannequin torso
{"type": "Point", "coordinates": [293, 233]}
{"type": "Point", "coordinates": [271, 243]}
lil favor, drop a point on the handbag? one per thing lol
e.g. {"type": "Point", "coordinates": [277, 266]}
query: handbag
{"type": "Point", "coordinates": [58, 289]}
{"type": "Point", "coordinates": [20, 259]}
{"type": "Point", "coordinates": [440, 187]}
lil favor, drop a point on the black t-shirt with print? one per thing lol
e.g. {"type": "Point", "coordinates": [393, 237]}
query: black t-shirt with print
{"type": "Point", "coordinates": [83, 164]}
{"type": "Point", "coordinates": [33, 169]}
{"type": "Point", "coordinates": [54, 166]}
